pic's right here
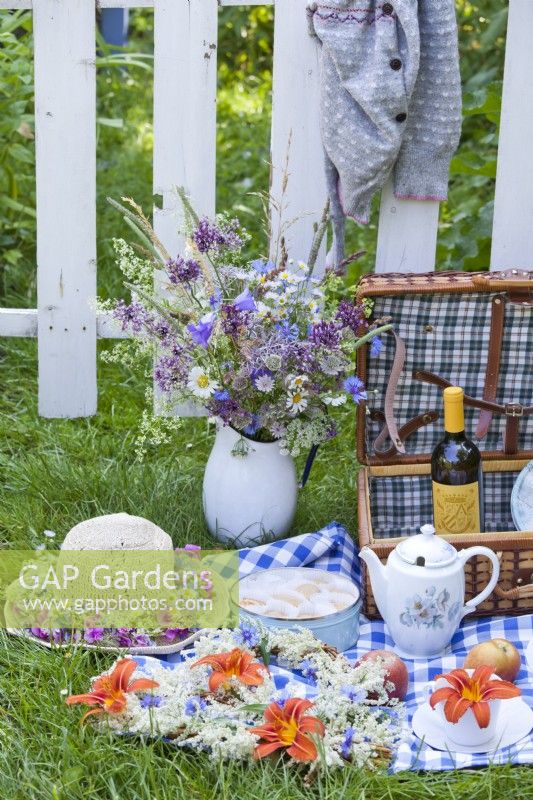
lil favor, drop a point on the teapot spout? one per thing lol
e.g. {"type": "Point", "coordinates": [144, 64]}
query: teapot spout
{"type": "Point", "coordinates": [378, 578]}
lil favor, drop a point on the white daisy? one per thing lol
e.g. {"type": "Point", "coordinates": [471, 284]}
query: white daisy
{"type": "Point", "coordinates": [302, 266]}
{"type": "Point", "coordinates": [297, 381]}
{"type": "Point", "coordinates": [296, 401]}
{"type": "Point", "coordinates": [335, 400]}
{"type": "Point", "coordinates": [264, 383]}
{"type": "Point", "coordinates": [200, 384]}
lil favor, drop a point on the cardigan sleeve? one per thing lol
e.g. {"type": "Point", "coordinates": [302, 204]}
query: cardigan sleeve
{"type": "Point", "coordinates": [433, 125]}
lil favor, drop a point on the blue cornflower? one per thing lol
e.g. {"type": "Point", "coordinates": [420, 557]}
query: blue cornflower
{"type": "Point", "coordinates": [356, 695]}
{"type": "Point", "coordinates": [376, 346]}
{"type": "Point", "coordinates": [288, 331]}
{"type": "Point", "coordinates": [347, 742]}
{"type": "Point", "coordinates": [247, 635]}
{"type": "Point", "coordinates": [194, 705]}
{"type": "Point", "coordinates": [262, 267]}
{"type": "Point", "coordinates": [254, 425]}
{"type": "Point", "coordinates": [221, 395]}
{"type": "Point", "coordinates": [308, 669]}
{"type": "Point", "coordinates": [151, 701]}
{"type": "Point", "coordinates": [355, 386]}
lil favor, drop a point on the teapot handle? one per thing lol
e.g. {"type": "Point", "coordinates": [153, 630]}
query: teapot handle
{"type": "Point", "coordinates": [469, 553]}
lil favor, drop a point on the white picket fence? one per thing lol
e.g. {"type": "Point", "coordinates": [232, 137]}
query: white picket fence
{"type": "Point", "coordinates": [185, 53]}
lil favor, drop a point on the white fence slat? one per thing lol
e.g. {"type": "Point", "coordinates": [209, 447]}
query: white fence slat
{"type": "Point", "coordinates": [18, 322]}
{"type": "Point", "coordinates": [65, 132]}
{"type": "Point", "coordinates": [407, 234]}
{"type": "Point", "coordinates": [512, 233]}
{"type": "Point", "coordinates": [24, 323]}
{"type": "Point", "coordinates": [185, 79]}
{"type": "Point", "coordinates": [295, 107]}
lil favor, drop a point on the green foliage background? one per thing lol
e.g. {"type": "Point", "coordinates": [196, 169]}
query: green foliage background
{"type": "Point", "coordinates": [245, 79]}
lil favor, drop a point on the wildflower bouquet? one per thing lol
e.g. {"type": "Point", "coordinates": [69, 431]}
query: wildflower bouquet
{"type": "Point", "coordinates": [222, 699]}
{"type": "Point", "coordinates": [264, 346]}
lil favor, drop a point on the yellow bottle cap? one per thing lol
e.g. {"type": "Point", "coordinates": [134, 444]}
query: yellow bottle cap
{"type": "Point", "coordinates": [454, 417]}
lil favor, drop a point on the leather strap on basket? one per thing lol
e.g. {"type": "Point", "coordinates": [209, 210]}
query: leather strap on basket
{"type": "Point", "coordinates": [406, 430]}
{"type": "Point", "coordinates": [493, 363]}
{"type": "Point", "coordinates": [513, 411]}
{"type": "Point", "coordinates": [390, 429]}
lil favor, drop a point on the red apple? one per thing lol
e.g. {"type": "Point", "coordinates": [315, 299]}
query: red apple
{"type": "Point", "coordinates": [499, 654]}
{"type": "Point", "coordinates": [396, 671]}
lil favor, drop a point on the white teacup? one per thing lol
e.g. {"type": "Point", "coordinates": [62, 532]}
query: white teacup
{"type": "Point", "coordinates": [466, 732]}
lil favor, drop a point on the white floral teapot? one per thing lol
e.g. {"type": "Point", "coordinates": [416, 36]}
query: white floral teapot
{"type": "Point", "coordinates": [420, 593]}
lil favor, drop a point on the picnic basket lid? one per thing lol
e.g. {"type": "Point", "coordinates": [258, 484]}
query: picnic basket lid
{"type": "Point", "coordinates": [473, 330]}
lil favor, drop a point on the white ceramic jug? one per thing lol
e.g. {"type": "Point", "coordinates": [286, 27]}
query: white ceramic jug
{"type": "Point", "coordinates": [250, 489]}
{"type": "Point", "coordinates": [420, 593]}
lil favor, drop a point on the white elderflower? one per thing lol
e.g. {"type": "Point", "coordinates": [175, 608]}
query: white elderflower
{"type": "Point", "coordinates": [200, 383]}
{"type": "Point", "coordinates": [296, 401]}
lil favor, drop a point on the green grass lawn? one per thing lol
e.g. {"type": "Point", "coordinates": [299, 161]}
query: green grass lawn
{"type": "Point", "coordinates": [55, 473]}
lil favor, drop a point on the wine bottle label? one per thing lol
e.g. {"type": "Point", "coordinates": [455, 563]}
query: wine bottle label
{"type": "Point", "coordinates": [456, 508]}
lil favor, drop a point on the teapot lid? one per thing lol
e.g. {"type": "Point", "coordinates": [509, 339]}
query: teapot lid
{"type": "Point", "coordinates": [426, 549]}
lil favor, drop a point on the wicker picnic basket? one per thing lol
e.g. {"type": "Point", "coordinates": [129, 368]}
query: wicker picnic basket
{"type": "Point", "coordinates": [473, 330]}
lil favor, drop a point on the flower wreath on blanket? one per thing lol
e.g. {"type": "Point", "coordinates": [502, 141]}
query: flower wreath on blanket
{"type": "Point", "coordinates": [223, 700]}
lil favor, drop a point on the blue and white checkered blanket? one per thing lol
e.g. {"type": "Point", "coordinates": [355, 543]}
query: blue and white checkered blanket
{"type": "Point", "coordinates": [332, 549]}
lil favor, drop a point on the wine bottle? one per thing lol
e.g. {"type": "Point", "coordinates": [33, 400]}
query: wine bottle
{"type": "Point", "coordinates": [456, 473]}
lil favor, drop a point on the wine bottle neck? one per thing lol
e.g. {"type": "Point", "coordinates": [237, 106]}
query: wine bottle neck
{"type": "Point", "coordinates": [454, 415]}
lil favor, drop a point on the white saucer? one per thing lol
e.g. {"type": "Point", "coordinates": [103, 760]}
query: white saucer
{"type": "Point", "coordinates": [515, 722]}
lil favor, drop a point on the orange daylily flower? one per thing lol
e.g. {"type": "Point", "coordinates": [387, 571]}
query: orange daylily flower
{"type": "Point", "coordinates": [109, 691]}
{"type": "Point", "coordinates": [235, 664]}
{"type": "Point", "coordinates": [472, 691]}
{"type": "Point", "coordinates": [286, 728]}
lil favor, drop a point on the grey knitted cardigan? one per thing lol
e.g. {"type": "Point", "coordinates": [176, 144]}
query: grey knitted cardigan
{"type": "Point", "coordinates": [390, 100]}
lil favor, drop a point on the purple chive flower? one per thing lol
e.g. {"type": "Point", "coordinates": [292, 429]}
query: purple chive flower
{"type": "Point", "coordinates": [233, 319]}
{"type": "Point", "coordinates": [247, 635]}
{"type": "Point", "coordinates": [170, 370]}
{"type": "Point", "coordinates": [150, 701]}
{"type": "Point", "coordinates": [355, 386]}
{"type": "Point", "coordinates": [261, 266]}
{"type": "Point", "coordinates": [308, 669]}
{"type": "Point", "coordinates": [354, 694]}
{"type": "Point", "coordinates": [350, 315]}
{"type": "Point", "coordinates": [194, 705]}
{"type": "Point", "coordinates": [209, 236]}
{"type": "Point", "coordinates": [132, 316]}
{"type": "Point", "coordinates": [93, 635]}
{"type": "Point", "coordinates": [124, 637]}
{"type": "Point", "coordinates": [171, 634]}
{"type": "Point", "coordinates": [326, 334]}
{"type": "Point", "coordinates": [347, 742]}
{"type": "Point", "coordinates": [181, 270]}
{"type": "Point", "coordinates": [142, 640]}
{"type": "Point", "coordinates": [376, 346]}
{"type": "Point", "coordinates": [245, 301]}
{"type": "Point", "coordinates": [228, 410]}
{"type": "Point", "coordinates": [40, 633]}
{"type": "Point", "coordinates": [201, 333]}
